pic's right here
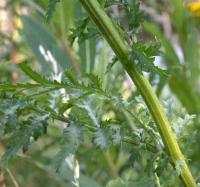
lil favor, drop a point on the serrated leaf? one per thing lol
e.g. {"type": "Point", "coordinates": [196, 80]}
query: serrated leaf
{"type": "Point", "coordinates": [79, 31]}
{"type": "Point", "coordinates": [135, 14]}
{"type": "Point", "coordinates": [143, 56]}
{"type": "Point", "coordinates": [162, 166]}
{"type": "Point", "coordinates": [7, 86]}
{"type": "Point", "coordinates": [71, 78]}
{"type": "Point", "coordinates": [94, 80]}
{"type": "Point", "coordinates": [69, 144]}
{"type": "Point", "coordinates": [82, 31]}
{"type": "Point", "coordinates": [32, 74]}
{"type": "Point", "coordinates": [21, 138]}
{"type": "Point", "coordinates": [102, 138]}
{"type": "Point", "coordinates": [110, 65]}
{"type": "Point", "coordinates": [116, 137]}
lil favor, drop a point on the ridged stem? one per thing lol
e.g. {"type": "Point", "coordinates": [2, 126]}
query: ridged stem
{"type": "Point", "coordinates": [122, 51]}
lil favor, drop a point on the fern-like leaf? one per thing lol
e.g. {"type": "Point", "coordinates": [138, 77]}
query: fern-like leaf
{"type": "Point", "coordinates": [32, 74]}
{"type": "Point", "coordinates": [69, 144]}
{"type": "Point", "coordinates": [144, 55]}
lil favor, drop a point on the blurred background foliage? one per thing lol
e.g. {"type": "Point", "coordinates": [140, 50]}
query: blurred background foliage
{"type": "Point", "coordinates": [26, 36]}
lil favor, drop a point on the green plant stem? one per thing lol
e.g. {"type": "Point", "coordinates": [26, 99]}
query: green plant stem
{"type": "Point", "coordinates": [12, 177]}
{"type": "Point", "coordinates": [122, 51]}
{"type": "Point", "coordinates": [112, 166]}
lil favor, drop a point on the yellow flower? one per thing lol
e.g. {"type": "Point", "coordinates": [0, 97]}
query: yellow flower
{"type": "Point", "coordinates": [18, 23]}
{"type": "Point", "coordinates": [194, 7]}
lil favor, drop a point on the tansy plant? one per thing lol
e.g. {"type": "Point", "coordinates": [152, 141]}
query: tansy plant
{"type": "Point", "coordinates": [137, 135]}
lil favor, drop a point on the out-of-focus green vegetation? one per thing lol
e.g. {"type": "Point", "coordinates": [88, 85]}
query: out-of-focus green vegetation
{"type": "Point", "coordinates": [111, 139]}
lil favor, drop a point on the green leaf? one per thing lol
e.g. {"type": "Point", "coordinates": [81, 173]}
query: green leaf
{"type": "Point", "coordinates": [71, 78]}
{"type": "Point", "coordinates": [110, 65]}
{"type": "Point", "coordinates": [38, 37]}
{"type": "Point", "coordinates": [102, 138]}
{"type": "Point", "coordinates": [95, 81]}
{"type": "Point", "coordinates": [32, 74]}
{"type": "Point", "coordinates": [162, 166]}
{"type": "Point", "coordinates": [69, 144]}
{"type": "Point", "coordinates": [134, 13]}
{"type": "Point", "coordinates": [82, 31]}
{"type": "Point", "coordinates": [7, 86]}
{"type": "Point", "coordinates": [51, 9]}
{"type": "Point", "coordinates": [144, 55]}
{"type": "Point", "coordinates": [21, 138]}
{"type": "Point", "coordinates": [170, 54]}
